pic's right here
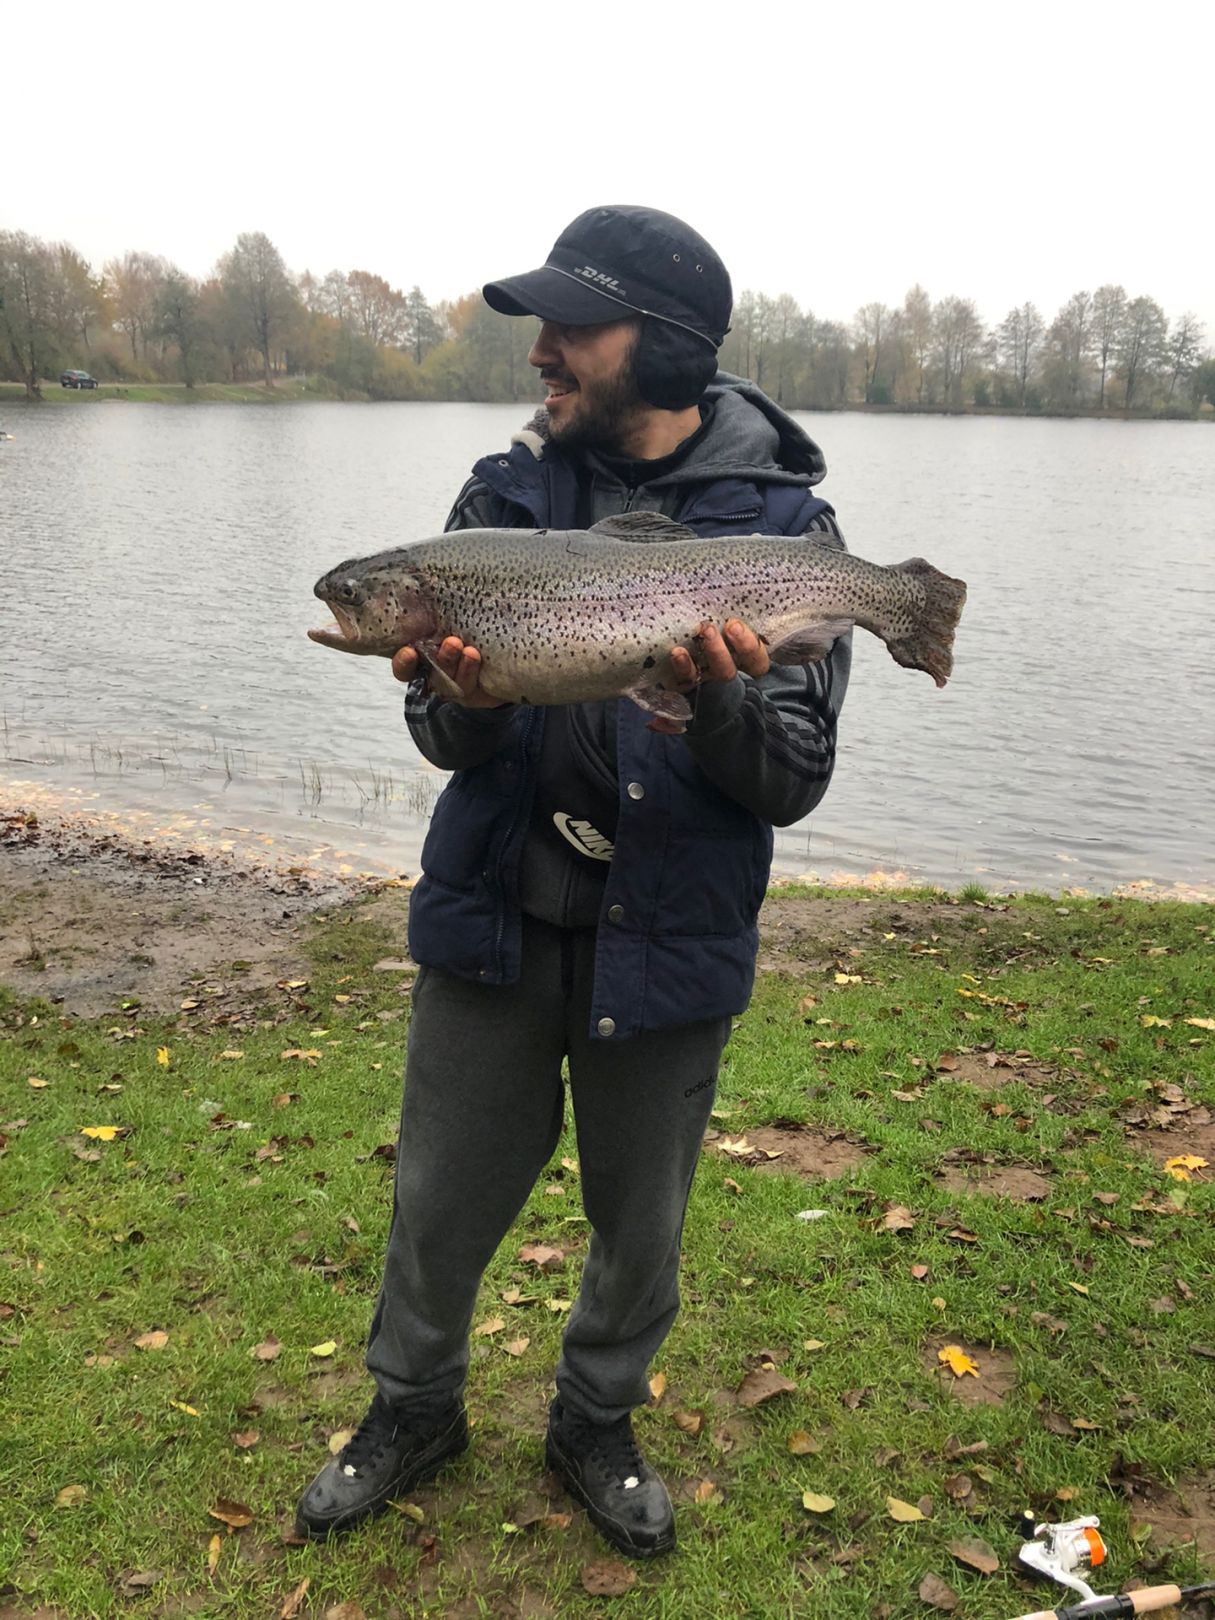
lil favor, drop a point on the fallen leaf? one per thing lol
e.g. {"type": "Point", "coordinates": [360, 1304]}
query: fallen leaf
{"type": "Point", "coordinates": [71, 1496]}
{"type": "Point", "coordinates": [138, 1581]}
{"type": "Point", "coordinates": [920, 1273]}
{"type": "Point", "coordinates": [155, 1340]}
{"type": "Point", "coordinates": [306, 1055]}
{"type": "Point", "coordinates": [162, 1056]}
{"type": "Point", "coordinates": [1150, 1021]}
{"type": "Point", "coordinates": [214, 1548]}
{"type": "Point", "coordinates": [706, 1491]}
{"type": "Point", "coordinates": [801, 1444]}
{"type": "Point", "coordinates": [934, 1591]}
{"type": "Point", "coordinates": [898, 1219]}
{"type": "Point", "coordinates": [658, 1386]}
{"type": "Point", "coordinates": [491, 1324]}
{"type": "Point", "coordinates": [814, 1503]}
{"type": "Point", "coordinates": [234, 1514]}
{"type": "Point", "coordinates": [267, 1350]}
{"type": "Point", "coordinates": [291, 1605]}
{"type": "Point", "coordinates": [688, 1422]}
{"type": "Point", "coordinates": [958, 1362]}
{"type": "Point", "coordinates": [814, 1344]}
{"type": "Point", "coordinates": [102, 1133]}
{"type": "Point", "coordinates": [902, 1512]}
{"type": "Point", "coordinates": [1079, 1287]}
{"type": "Point", "coordinates": [349, 1610]}
{"type": "Point", "coordinates": [975, 1554]}
{"type": "Point", "coordinates": [1202, 1023]}
{"type": "Point", "coordinates": [411, 1510]}
{"type": "Point", "coordinates": [607, 1578]}
{"type": "Point", "coordinates": [231, 1055]}
{"type": "Point", "coordinates": [762, 1384]}
{"type": "Point", "coordinates": [323, 1350]}
{"type": "Point", "coordinates": [339, 1440]}
{"type": "Point", "coordinates": [245, 1438]}
{"type": "Point", "coordinates": [1180, 1165]}
{"type": "Point", "coordinates": [542, 1255]}
{"type": "Point", "coordinates": [38, 1085]}
{"type": "Point", "coordinates": [183, 1406]}
{"type": "Point", "coordinates": [516, 1347]}
{"type": "Point", "coordinates": [729, 1183]}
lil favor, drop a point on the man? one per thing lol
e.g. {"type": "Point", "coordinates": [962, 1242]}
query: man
{"type": "Point", "coordinates": [590, 882]}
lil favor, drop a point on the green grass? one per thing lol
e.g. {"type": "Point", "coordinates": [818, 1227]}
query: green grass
{"type": "Point", "coordinates": [223, 1236]}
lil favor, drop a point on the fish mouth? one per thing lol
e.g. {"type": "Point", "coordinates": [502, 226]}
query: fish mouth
{"type": "Point", "coordinates": [342, 633]}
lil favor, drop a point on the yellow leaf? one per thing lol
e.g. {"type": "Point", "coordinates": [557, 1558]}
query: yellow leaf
{"type": "Point", "coordinates": [938, 1303]}
{"type": "Point", "coordinates": [1150, 1021]}
{"type": "Point", "coordinates": [847, 978]}
{"type": "Point", "coordinates": [326, 1349]}
{"type": "Point", "coordinates": [658, 1385]}
{"type": "Point", "coordinates": [813, 1503]}
{"type": "Point", "coordinates": [231, 1055]}
{"type": "Point", "coordinates": [1202, 1023]}
{"type": "Point", "coordinates": [162, 1056]}
{"type": "Point", "coordinates": [491, 1324]}
{"type": "Point", "coordinates": [1079, 1287]}
{"type": "Point", "coordinates": [71, 1496]}
{"type": "Point", "coordinates": [180, 1406]}
{"type": "Point", "coordinates": [155, 1340]}
{"type": "Point", "coordinates": [38, 1085]}
{"type": "Point", "coordinates": [100, 1133]}
{"type": "Point", "coordinates": [814, 1344]}
{"type": "Point", "coordinates": [339, 1440]}
{"type": "Point", "coordinates": [411, 1510]}
{"type": "Point", "coordinates": [902, 1512]}
{"type": "Point", "coordinates": [213, 1550]}
{"type": "Point", "coordinates": [801, 1444]}
{"type": "Point", "coordinates": [958, 1362]}
{"type": "Point", "coordinates": [1181, 1164]}
{"type": "Point", "coordinates": [706, 1491]}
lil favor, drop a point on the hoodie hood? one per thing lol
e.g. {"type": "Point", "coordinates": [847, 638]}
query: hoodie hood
{"type": "Point", "coordinates": [750, 437]}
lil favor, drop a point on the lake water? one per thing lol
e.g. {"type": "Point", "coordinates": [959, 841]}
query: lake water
{"type": "Point", "coordinates": [157, 581]}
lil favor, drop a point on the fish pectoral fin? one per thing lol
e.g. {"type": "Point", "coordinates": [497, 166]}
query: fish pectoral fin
{"type": "Point", "coordinates": [809, 643]}
{"type": "Point", "coordinates": [662, 702]}
{"type": "Point", "coordinates": [438, 680]}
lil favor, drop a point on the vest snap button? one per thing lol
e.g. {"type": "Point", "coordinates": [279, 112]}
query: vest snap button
{"type": "Point", "coordinates": [616, 914]}
{"type": "Point", "coordinates": [636, 791]}
{"type": "Point", "coordinates": [606, 1026]}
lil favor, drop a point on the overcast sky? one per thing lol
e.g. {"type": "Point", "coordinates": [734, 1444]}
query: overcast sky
{"type": "Point", "coordinates": [838, 153]}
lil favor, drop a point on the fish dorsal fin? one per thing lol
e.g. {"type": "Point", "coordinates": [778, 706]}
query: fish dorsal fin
{"type": "Point", "coordinates": [642, 526]}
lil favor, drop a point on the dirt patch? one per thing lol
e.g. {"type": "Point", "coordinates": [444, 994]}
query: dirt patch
{"type": "Point", "coordinates": [1183, 1517]}
{"type": "Point", "coordinates": [798, 933]}
{"type": "Point", "coordinates": [1181, 1138]}
{"type": "Point", "coordinates": [794, 1151]}
{"type": "Point", "coordinates": [996, 1181]}
{"type": "Point", "coordinates": [988, 1071]}
{"type": "Point", "coordinates": [997, 1374]}
{"type": "Point", "coordinates": [89, 917]}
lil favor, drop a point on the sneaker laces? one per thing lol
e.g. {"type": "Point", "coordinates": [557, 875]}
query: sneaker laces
{"type": "Point", "coordinates": [613, 1444]}
{"type": "Point", "coordinates": [377, 1431]}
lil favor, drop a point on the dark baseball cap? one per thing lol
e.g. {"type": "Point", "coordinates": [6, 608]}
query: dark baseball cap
{"type": "Point", "coordinates": [616, 260]}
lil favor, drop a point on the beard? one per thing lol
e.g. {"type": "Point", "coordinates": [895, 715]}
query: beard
{"type": "Point", "coordinates": [603, 414]}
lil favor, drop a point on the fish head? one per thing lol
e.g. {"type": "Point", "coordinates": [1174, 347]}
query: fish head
{"type": "Point", "coordinates": [379, 605]}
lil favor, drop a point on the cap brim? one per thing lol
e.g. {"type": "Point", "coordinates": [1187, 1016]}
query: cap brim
{"type": "Point", "coordinates": [553, 296]}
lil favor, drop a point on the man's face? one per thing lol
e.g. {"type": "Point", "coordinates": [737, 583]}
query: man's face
{"type": "Point", "coordinates": [592, 396]}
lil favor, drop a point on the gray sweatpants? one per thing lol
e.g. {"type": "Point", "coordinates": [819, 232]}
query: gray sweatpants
{"type": "Point", "coordinates": [483, 1109]}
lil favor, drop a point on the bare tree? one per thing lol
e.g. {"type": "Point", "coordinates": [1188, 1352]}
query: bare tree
{"type": "Point", "coordinates": [1069, 344]}
{"type": "Point", "coordinates": [917, 331]}
{"type": "Point", "coordinates": [423, 327]}
{"type": "Point", "coordinates": [872, 324]}
{"type": "Point", "coordinates": [1109, 308]}
{"type": "Point", "coordinates": [133, 284]}
{"type": "Point", "coordinates": [178, 318]}
{"type": "Point", "coordinates": [1141, 343]}
{"type": "Point", "coordinates": [1017, 341]}
{"type": "Point", "coordinates": [958, 334]}
{"type": "Point", "coordinates": [257, 285]}
{"type": "Point", "coordinates": [26, 307]}
{"type": "Point", "coordinates": [1183, 348]}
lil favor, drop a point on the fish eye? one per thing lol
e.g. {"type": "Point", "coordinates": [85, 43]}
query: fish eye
{"type": "Point", "coordinates": [347, 591]}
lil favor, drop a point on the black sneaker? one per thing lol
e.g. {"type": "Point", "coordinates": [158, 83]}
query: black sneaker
{"type": "Point", "coordinates": [388, 1455]}
{"type": "Point", "coordinates": [603, 1469]}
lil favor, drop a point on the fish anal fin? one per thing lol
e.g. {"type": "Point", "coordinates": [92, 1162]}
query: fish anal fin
{"type": "Point", "coordinates": [809, 642]}
{"type": "Point", "coordinates": [662, 703]}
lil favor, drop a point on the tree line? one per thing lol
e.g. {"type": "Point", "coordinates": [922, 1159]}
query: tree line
{"type": "Point", "coordinates": [141, 318]}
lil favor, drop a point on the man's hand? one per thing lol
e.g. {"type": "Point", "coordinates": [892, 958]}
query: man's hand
{"type": "Point", "coordinates": [460, 663]}
{"type": "Point", "coordinates": [724, 652]}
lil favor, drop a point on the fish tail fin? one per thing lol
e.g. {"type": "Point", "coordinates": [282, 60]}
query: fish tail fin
{"type": "Point", "coordinates": [929, 646]}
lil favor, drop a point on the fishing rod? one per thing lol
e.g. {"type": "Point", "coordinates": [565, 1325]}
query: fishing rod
{"type": "Point", "coordinates": [1056, 1551]}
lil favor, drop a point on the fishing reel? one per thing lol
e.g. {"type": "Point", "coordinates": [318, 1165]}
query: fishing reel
{"type": "Point", "coordinates": [1056, 1551]}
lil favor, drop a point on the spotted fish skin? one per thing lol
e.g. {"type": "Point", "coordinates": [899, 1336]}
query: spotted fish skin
{"type": "Point", "coordinates": [569, 616]}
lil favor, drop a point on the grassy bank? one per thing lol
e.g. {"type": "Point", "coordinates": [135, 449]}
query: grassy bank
{"type": "Point", "coordinates": [253, 393]}
{"type": "Point", "coordinates": [979, 1097]}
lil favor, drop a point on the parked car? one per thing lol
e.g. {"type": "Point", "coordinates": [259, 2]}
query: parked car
{"type": "Point", "coordinates": [77, 379]}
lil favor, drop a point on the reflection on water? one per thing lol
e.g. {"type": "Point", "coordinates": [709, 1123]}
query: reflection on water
{"type": "Point", "coordinates": [158, 573]}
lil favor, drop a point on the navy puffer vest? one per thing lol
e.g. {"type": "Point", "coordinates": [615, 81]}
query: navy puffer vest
{"type": "Point", "coordinates": [677, 937]}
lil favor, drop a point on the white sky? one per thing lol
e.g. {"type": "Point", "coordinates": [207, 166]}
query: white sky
{"type": "Point", "coordinates": [835, 152]}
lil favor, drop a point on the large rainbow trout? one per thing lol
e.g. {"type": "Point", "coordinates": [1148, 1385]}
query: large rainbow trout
{"type": "Point", "coordinates": [570, 616]}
